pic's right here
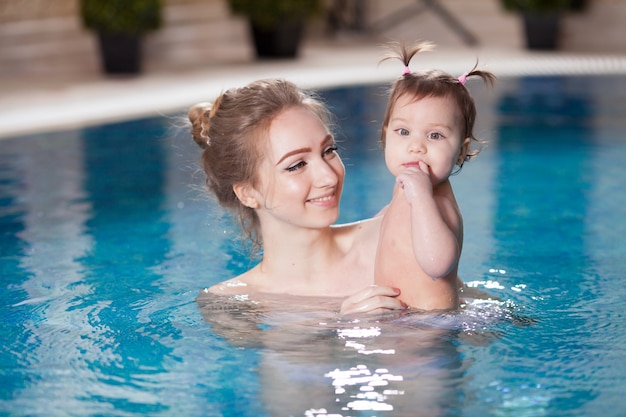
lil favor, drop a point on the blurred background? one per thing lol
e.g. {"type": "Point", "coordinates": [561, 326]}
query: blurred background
{"type": "Point", "coordinates": [43, 38]}
{"type": "Point", "coordinates": [53, 62]}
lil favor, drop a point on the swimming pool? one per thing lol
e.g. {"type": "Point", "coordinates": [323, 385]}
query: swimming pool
{"type": "Point", "coordinates": [106, 240]}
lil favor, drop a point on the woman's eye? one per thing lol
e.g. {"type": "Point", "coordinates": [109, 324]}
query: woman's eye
{"type": "Point", "coordinates": [402, 132]}
{"type": "Point", "coordinates": [330, 150]}
{"type": "Point", "coordinates": [296, 166]}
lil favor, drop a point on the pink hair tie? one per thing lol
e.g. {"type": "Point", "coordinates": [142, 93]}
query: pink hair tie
{"type": "Point", "coordinates": [406, 71]}
{"type": "Point", "coordinates": [463, 78]}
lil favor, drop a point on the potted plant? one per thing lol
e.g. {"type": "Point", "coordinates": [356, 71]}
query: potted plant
{"type": "Point", "coordinates": [542, 19]}
{"type": "Point", "coordinates": [276, 26]}
{"type": "Point", "coordinates": [120, 26]}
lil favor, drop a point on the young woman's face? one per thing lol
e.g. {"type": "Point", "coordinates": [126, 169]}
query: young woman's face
{"type": "Point", "coordinates": [427, 130]}
{"type": "Point", "coordinates": [301, 179]}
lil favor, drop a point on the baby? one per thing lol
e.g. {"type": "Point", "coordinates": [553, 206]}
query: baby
{"type": "Point", "coordinates": [426, 137]}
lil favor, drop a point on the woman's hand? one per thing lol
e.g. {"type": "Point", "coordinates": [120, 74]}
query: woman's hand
{"type": "Point", "coordinates": [373, 299]}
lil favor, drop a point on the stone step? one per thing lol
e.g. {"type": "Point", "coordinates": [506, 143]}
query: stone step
{"type": "Point", "coordinates": [194, 33]}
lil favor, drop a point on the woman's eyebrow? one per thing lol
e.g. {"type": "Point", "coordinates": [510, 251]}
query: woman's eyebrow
{"type": "Point", "coordinates": [327, 139]}
{"type": "Point", "coordinates": [294, 152]}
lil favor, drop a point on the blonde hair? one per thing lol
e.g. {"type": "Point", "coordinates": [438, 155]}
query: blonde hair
{"type": "Point", "coordinates": [233, 132]}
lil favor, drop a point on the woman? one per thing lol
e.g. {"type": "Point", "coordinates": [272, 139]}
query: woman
{"type": "Point", "coordinates": [270, 158]}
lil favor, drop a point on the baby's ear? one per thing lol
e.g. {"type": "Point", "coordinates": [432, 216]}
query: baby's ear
{"type": "Point", "coordinates": [246, 194]}
{"type": "Point", "coordinates": [465, 147]}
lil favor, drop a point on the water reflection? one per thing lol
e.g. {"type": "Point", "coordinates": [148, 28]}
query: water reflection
{"type": "Point", "coordinates": [125, 180]}
{"type": "Point", "coordinates": [53, 212]}
{"type": "Point", "coordinates": [313, 361]}
{"type": "Point", "coordinates": [87, 231]}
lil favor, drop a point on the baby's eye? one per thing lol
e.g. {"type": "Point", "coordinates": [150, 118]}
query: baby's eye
{"type": "Point", "coordinates": [331, 150]}
{"type": "Point", "coordinates": [435, 135]}
{"type": "Point", "coordinates": [402, 131]}
{"type": "Point", "coordinates": [296, 166]}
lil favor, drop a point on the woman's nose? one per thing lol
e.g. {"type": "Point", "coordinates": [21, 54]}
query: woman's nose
{"type": "Point", "coordinates": [329, 174]}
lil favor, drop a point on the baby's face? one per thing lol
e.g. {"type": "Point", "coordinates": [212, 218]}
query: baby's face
{"type": "Point", "coordinates": [425, 131]}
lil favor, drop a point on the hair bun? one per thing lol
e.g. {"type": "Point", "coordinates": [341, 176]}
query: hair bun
{"type": "Point", "coordinates": [198, 115]}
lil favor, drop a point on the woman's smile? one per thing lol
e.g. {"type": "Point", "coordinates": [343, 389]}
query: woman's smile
{"type": "Point", "coordinates": [326, 200]}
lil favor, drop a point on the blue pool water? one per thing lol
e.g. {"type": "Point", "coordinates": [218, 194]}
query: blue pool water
{"type": "Point", "coordinates": [106, 239]}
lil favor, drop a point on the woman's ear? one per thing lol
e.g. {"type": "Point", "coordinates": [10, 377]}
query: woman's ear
{"type": "Point", "coordinates": [465, 147]}
{"type": "Point", "coordinates": [246, 194]}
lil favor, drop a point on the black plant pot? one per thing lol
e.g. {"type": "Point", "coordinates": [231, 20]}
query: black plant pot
{"type": "Point", "coordinates": [282, 41]}
{"type": "Point", "coordinates": [120, 53]}
{"type": "Point", "coordinates": [542, 30]}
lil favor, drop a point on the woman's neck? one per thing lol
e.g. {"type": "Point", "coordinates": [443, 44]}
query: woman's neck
{"type": "Point", "coordinates": [299, 261]}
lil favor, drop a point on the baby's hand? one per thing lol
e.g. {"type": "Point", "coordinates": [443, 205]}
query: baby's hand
{"type": "Point", "coordinates": [414, 181]}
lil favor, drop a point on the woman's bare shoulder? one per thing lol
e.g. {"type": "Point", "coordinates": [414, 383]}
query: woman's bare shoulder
{"type": "Point", "coordinates": [359, 228]}
{"type": "Point", "coordinates": [359, 238]}
{"type": "Point", "coordinates": [241, 284]}
{"type": "Point", "coordinates": [230, 287]}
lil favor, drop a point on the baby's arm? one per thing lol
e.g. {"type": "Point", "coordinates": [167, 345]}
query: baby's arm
{"type": "Point", "coordinates": [434, 224]}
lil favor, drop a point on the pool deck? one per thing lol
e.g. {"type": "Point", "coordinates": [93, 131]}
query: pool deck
{"type": "Point", "coordinates": [44, 105]}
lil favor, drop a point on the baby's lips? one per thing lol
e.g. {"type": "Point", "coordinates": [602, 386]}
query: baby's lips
{"type": "Point", "coordinates": [413, 166]}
